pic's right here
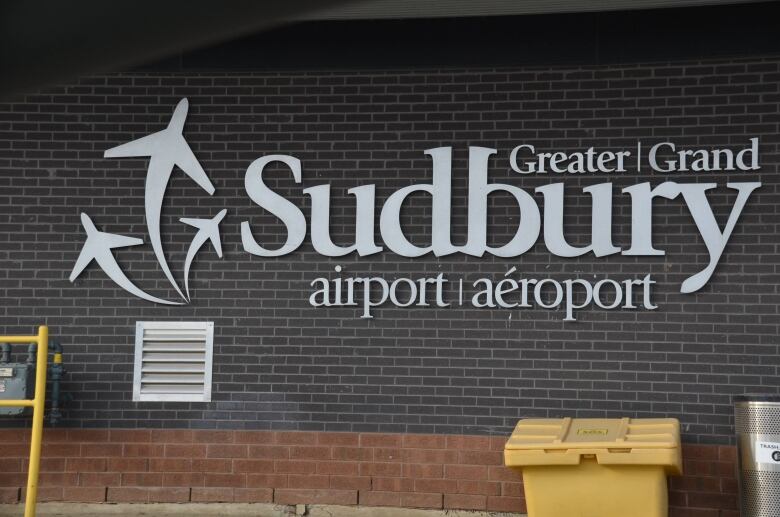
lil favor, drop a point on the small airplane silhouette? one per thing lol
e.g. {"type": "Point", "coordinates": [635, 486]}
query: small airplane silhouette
{"type": "Point", "coordinates": [208, 229]}
{"type": "Point", "coordinates": [167, 148]}
{"type": "Point", "coordinates": [98, 247]}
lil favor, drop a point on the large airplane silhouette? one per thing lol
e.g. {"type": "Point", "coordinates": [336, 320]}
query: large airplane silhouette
{"type": "Point", "coordinates": [166, 148]}
{"type": "Point", "coordinates": [98, 247]}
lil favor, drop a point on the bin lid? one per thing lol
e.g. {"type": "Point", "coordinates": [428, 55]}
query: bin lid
{"type": "Point", "coordinates": [612, 441]}
{"type": "Point", "coordinates": [757, 397]}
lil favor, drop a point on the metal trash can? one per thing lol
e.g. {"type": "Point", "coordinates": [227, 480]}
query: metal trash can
{"type": "Point", "coordinates": [757, 422]}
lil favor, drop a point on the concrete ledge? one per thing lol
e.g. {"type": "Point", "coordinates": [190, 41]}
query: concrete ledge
{"type": "Point", "coordinates": [233, 510]}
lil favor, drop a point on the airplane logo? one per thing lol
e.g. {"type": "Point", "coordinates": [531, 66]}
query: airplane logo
{"type": "Point", "coordinates": [98, 247]}
{"type": "Point", "coordinates": [208, 230]}
{"type": "Point", "coordinates": [166, 149]}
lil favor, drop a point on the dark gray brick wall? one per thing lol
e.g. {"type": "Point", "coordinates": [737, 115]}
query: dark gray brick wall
{"type": "Point", "coordinates": [281, 364]}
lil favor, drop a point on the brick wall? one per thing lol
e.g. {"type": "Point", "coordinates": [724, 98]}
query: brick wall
{"type": "Point", "coordinates": [281, 364]}
{"type": "Point", "coordinates": [410, 408]}
{"type": "Point", "coordinates": [371, 469]}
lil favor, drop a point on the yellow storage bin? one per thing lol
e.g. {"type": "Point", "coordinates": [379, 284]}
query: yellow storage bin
{"type": "Point", "coordinates": [583, 467]}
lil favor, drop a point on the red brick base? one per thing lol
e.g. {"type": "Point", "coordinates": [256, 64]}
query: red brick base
{"type": "Point", "coordinates": [425, 471]}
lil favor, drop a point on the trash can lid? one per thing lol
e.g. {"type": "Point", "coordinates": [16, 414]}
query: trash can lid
{"type": "Point", "coordinates": [757, 397]}
{"type": "Point", "coordinates": [627, 441]}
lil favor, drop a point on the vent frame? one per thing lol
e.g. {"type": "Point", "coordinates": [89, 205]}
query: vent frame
{"type": "Point", "coordinates": [172, 327]}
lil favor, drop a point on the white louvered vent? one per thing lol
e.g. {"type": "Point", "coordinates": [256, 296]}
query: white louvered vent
{"type": "Point", "coordinates": [173, 361]}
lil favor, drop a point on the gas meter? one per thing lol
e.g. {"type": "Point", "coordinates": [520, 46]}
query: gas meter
{"type": "Point", "coordinates": [17, 380]}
